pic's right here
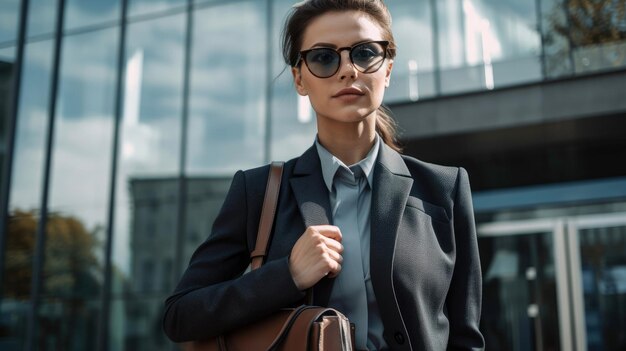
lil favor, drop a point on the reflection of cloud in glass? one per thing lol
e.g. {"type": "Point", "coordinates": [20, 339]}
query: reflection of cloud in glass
{"type": "Point", "coordinates": [41, 17]}
{"type": "Point", "coordinates": [89, 12]}
{"type": "Point", "coordinates": [227, 106]}
{"type": "Point", "coordinates": [150, 130]}
{"type": "Point", "coordinates": [9, 15]}
{"type": "Point", "coordinates": [81, 168]}
{"type": "Point", "coordinates": [31, 125]}
{"type": "Point", "coordinates": [147, 6]}
{"type": "Point", "coordinates": [82, 143]}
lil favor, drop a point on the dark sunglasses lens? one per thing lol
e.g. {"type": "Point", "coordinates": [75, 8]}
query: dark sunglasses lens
{"type": "Point", "coordinates": [322, 62]}
{"type": "Point", "coordinates": [368, 57]}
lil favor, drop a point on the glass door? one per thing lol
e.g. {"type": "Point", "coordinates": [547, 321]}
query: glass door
{"type": "Point", "coordinates": [522, 263]}
{"type": "Point", "coordinates": [554, 284]}
{"type": "Point", "coordinates": [598, 251]}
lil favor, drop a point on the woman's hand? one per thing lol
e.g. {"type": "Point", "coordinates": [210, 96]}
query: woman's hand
{"type": "Point", "coordinates": [315, 255]}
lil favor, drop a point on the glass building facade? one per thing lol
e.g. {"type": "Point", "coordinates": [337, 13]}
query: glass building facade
{"type": "Point", "coordinates": [122, 121]}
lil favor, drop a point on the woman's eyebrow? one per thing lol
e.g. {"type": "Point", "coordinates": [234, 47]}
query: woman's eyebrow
{"type": "Point", "coordinates": [326, 45]}
{"type": "Point", "coordinates": [333, 46]}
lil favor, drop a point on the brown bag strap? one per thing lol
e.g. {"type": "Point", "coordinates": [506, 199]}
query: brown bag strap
{"type": "Point", "coordinates": [268, 211]}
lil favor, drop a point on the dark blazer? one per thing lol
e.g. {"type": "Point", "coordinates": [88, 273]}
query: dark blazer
{"type": "Point", "coordinates": [424, 257]}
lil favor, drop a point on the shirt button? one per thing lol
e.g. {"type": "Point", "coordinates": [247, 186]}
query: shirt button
{"type": "Point", "coordinates": [399, 338]}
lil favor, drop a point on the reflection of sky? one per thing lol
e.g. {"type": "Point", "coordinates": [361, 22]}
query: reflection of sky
{"type": "Point", "coordinates": [30, 128]}
{"type": "Point", "coordinates": [137, 7]}
{"type": "Point", "coordinates": [226, 125]}
{"type": "Point", "coordinates": [9, 15]}
{"type": "Point", "coordinates": [80, 13]}
{"type": "Point", "coordinates": [508, 29]}
{"type": "Point", "coordinates": [83, 127]}
{"type": "Point", "coordinates": [41, 17]}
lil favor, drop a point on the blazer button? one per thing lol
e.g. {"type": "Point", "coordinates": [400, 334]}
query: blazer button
{"type": "Point", "coordinates": [399, 338]}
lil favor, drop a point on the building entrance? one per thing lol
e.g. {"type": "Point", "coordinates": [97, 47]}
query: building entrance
{"type": "Point", "coordinates": [554, 284]}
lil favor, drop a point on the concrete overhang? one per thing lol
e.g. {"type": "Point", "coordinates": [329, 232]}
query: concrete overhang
{"type": "Point", "coordinates": [543, 102]}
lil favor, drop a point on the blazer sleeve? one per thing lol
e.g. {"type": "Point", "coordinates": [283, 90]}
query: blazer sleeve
{"type": "Point", "coordinates": [465, 294]}
{"type": "Point", "coordinates": [213, 296]}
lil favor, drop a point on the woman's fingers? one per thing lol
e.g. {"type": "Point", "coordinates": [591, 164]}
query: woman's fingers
{"type": "Point", "coordinates": [329, 231]}
{"type": "Point", "coordinates": [317, 253]}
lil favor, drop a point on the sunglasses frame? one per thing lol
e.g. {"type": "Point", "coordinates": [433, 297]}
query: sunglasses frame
{"type": "Point", "coordinates": [383, 43]}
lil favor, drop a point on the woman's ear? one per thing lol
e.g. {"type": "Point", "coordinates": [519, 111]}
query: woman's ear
{"type": "Point", "coordinates": [388, 73]}
{"type": "Point", "coordinates": [297, 80]}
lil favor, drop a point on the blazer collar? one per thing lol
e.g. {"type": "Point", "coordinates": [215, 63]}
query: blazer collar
{"type": "Point", "coordinates": [309, 189]}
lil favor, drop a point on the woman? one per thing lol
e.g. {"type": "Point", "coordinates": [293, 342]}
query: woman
{"type": "Point", "coordinates": [400, 258]}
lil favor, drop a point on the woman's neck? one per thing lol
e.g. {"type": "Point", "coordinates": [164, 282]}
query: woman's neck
{"type": "Point", "coordinates": [349, 142]}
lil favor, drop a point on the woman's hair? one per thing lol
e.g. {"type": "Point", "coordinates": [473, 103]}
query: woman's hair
{"type": "Point", "coordinates": [305, 12]}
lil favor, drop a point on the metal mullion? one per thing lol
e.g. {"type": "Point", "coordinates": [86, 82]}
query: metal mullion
{"type": "Point", "coordinates": [269, 82]}
{"type": "Point", "coordinates": [103, 330]}
{"type": "Point", "coordinates": [436, 48]}
{"type": "Point", "coordinates": [542, 59]}
{"type": "Point", "coordinates": [560, 250]}
{"type": "Point", "coordinates": [38, 259]}
{"type": "Point", "coordinates": [11, 130]}
{"type": "Point", "coordinates": [182, 178]}
{"type": "Point", "coordinates": [576, 288]}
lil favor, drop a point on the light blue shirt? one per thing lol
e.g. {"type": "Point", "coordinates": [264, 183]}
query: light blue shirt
{"type": "Point", "coordinates": [340, 179]}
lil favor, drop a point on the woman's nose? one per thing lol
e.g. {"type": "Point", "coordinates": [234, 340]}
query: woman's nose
{"type": "Point", "coordinates": [346, 68]}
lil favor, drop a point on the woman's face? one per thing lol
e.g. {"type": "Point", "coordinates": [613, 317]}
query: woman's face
{"type": "Point", "coordinates": [348, 96]}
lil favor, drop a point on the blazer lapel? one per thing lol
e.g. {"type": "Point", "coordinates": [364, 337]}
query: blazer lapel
{"type": "Point", "coordinates": [312, 196]}
{"type": "Point", "coordinates": [392, 185]}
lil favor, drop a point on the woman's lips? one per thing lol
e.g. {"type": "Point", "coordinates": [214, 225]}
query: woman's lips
{"type": "Point", "coordinates": [348, 92]}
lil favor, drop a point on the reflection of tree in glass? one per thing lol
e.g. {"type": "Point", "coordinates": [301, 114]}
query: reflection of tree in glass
{"type": "Point", "coordinates": [70, 268]}
{"type": "Point", "coordinates": [593, 22]}
{"type": "Point", "coordinates": [590, 34]}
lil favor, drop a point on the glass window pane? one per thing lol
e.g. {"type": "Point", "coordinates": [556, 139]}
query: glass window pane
{"type": "Point", "coordinates": [487, 43]}
{"type": "Point", "coordinates": [519, 292]}
{"type": "Point", "coordinates": [79, 13]}
{"type": "Point", "coordinates": [9, 20]}
{"type": "Point", "coordinates": [205, 196]}
{"type": "Point", "coordinates": [15, 305]}
{"type": "Point", "coordinates": [228, 79]}
{"type": "Point", "coordinates": [25, 192]}
{"type": "Point", "coordinates": [589, 38]}
{"type": "Point", "coordinates": [140, 7]}
{"type": "Point", "coordinates": [32, 122]}
{"type": "Point", "coordinates": [558, 60]}
{"type": "Point", "coordinates": [146, 205]}
{"type": "Point", "coordinates": [603, 273]}
{"type": "Point", "coordinates": [412, 76]}
{"type": "Point", "coordinates": [79, 183]}
{"type": "Point", "coordinates": [135, 318]}
{"type": "Point", "coordinates": [293, 124]}
{"type": "Point", "coordinates": [41, 17]}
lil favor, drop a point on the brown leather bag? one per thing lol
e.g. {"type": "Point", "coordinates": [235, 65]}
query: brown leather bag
{"type": "Point", "coordinates": [291, 329]}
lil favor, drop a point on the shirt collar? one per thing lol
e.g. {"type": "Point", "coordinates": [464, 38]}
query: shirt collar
{"type": "Point", "coordinates": [330, 164]}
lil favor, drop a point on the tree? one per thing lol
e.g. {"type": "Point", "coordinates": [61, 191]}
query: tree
{"type": "Point", "coordinates": [70, 266]}
{"type": "Point", "coordinates": [585, 35]}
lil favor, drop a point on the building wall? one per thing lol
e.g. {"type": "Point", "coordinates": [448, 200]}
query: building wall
{"type": "Point", "coordinates": [120, 150]}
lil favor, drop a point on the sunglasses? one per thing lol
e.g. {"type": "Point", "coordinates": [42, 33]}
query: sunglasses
{"type": "Point", "coordinates": [366, 57]}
